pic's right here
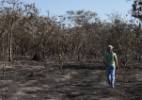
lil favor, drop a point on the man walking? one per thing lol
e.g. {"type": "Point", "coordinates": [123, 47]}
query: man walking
{"type": "Point", "coordinates": [110, 61]}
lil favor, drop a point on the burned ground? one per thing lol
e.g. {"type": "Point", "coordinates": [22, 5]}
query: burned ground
{"type": "Point", "coordinates": [28, 80]}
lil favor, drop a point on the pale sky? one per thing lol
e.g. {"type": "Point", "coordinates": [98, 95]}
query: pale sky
{"type": "Point", "coordinates": [101, 7]}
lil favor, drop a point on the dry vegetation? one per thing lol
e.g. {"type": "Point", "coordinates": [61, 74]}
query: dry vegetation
{"type": "Point", "coordinates": [45, 58]}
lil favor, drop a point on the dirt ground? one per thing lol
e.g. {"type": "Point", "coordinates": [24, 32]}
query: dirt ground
{"type": "Point", "coordinates": [29, 80]}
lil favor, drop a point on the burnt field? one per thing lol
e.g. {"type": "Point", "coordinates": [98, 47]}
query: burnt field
{"type": "Point", "coordinates": [29, 80]}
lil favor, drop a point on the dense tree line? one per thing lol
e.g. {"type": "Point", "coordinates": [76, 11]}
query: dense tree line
{"type": "Point", "coordinates": [24, 33]}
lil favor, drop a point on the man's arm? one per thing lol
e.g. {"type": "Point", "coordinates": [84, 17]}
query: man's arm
{"type": "Point", "coordinates": [116, 60]}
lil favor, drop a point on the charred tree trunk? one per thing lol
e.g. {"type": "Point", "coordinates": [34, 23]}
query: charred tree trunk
{"type": "Point", "coordinates": [10, 58]}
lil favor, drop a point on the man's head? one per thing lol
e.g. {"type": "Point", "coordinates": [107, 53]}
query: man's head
{"type": "Point", "coordinates": [110, 48]}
